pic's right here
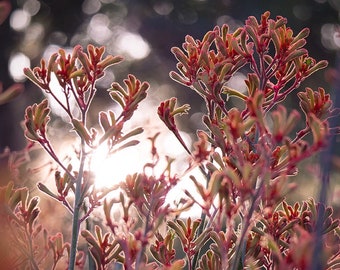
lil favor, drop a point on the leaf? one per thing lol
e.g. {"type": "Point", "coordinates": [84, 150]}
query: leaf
{"type": "Point", "coordinates": [32, 204]}
{"type": "Point", "coordinates": [81, 130]}
{"type": "Point", "coordinates": [319, 130]}
{"type": "Point", "coordinates": [14, 198]}
{"type": "Point", "coordinates": [178, 230]}
{"type": "Point", "coordinates": [91, 240]}
{"type": "Point", "coordinates": [301, 35]}
{"type": "Point", "coordinates": [107, 210]}
{"type": "Point", "coordinates": [178, 78]}
{"type": "Point", "coordinates": [295, 54]}
{"type": "Point", "coordinates": [181, 57]}
{"type": "Point", "coordinates": [36, 119]}
{"type": "Point", "coordinates": [225, 71]}
{"type": "Point", "coordinates": [215, 182]}
{"type": "Point", "coordinates": [132, 133]}
{"type": "Point", "coordinates": [320, 65]}
{"type": "Point", "coordinates": [117, 97]}
{"type": "Point", "coordinates": [110, 60]}
{"type": "Point", "coordinates": [104, 121]}
{"type": "Point", "coordinates": [45, 189]}
{"type": "Point", "coordinates": [202, 238]}
{"type": "Point", "coordinates": [112, 132]}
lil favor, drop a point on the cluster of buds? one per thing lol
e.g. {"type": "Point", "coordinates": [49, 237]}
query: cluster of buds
{"type": "Point", "coordinates": [77, 75]}
{"type": "Point", "coordinates": [250, 152]}
{"type": "Point", "coordinates": [135, 219]}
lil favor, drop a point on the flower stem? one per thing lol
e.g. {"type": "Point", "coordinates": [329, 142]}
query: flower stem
{"type": "Point", "coordinates": [77, 208]}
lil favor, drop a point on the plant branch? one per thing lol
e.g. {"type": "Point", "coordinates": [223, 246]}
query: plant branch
{"type": "Point", "coordinates": [77, 207]}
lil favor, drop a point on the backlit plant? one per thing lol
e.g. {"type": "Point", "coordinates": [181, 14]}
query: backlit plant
{"type": "Point", "coordinates": [246, 157]}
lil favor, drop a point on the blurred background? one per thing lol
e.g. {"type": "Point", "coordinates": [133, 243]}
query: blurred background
{"type": "Point", "coordinates": [143, 31]}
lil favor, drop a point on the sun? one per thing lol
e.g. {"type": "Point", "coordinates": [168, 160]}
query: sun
{"type": "Point", "coordinates": [111, 169]}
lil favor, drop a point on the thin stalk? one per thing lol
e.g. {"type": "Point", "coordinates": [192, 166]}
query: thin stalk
{"type": "Point", "coordinates": [77, 208]}
{"type": "Point", "coordinates": [89, 227]}
{"type": "Point", "coordinates": [66, 109]}
{"type": "Point", "coordinates": [78, 196]}
{"type": "Point", "coordinates": [31, 252]}
{"type": "Point", "coordinates": [280, 97]}
{"type": "Point", "coordinates": [211, 109]}
{"type": "Point", "coordinates": [142, 250]}
{"type": "Point", "coordinates": [240, 247]}
{"type": "Point", "coordinates": [199, 232]}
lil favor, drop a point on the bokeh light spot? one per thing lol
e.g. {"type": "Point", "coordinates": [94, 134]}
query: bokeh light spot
{"type": "Point", "coordinates": [225, 19]}
{"type": "Point", "coordinates": [16, 65]}
{"type": "Point", "coordinates": [188, 17]}
{"type": "Point", "coordinates": [163, 8]}
{"type": "Point", "coordinates": [32, 7]}
{"type": "Point", "coordinates": [91, 6]}
{"type": "Point", "coordinates": [237, 82]}
{"type": "Point", "coordinates": [35, 32]}
{"type": "Point", "coordinates": [58, 37]}
{"type": "Point", "coordinates": [98, 28]}
{"type": "Point", "coordinates": [20, 19]}
{"type": "Point", "coordinates": [133, 45]}
{"type": "Point", "coordinates": [330, 36]}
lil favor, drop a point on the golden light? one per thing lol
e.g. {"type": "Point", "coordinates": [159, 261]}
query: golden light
{"type": "Point", "coordinates": [110, 170]}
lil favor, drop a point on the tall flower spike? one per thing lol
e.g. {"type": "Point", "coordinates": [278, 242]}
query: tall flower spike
{"type": "Point", "coordinates": [167, 111]}
{"type": "Point", "coordinates": [316, 102]}
{"type": "Point", "coordinates": [41, 76]}
{"type": "Point", "coordinates": [130, 98]}
{"type": "Point", "coordinates": [36, 119]}
{"type": "Point", "coordinates": [93, 63]}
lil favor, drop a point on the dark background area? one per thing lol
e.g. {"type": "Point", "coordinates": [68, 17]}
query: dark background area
{"type": "Point", "coordinates": [162, 24]}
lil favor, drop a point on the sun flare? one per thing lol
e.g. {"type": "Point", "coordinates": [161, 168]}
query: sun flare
{"type": "Point", "coordinates": [110, 170]}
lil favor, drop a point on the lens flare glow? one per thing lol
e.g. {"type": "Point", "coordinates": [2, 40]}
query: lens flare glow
{"type": "Point", "coordinates": [110, 170]}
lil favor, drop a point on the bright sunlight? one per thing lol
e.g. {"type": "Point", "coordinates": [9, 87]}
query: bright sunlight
{"type": "Point", "coordinates": [112, 169]}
